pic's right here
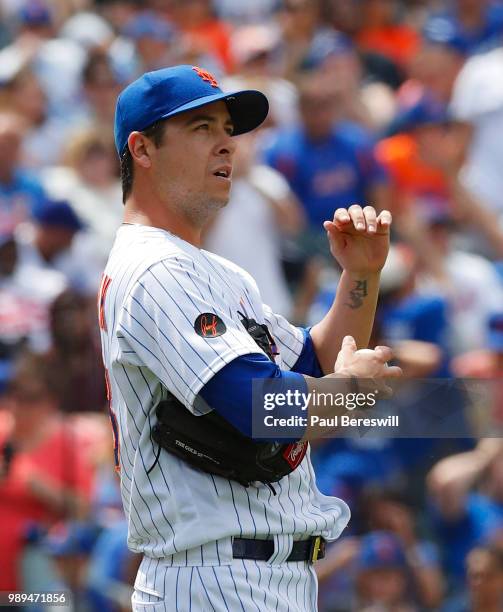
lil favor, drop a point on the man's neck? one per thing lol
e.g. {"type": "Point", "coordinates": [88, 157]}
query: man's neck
{"type": "Point", "coordinates": [163, 219]}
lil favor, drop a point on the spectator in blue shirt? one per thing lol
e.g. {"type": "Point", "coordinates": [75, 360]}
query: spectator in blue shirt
{"type": "Point", "coordinates": [465, 517]}
{"type": "Point", "coordinates": [383, 575]}
{"type": "Point", "coordinates": [328, 162]}
{"type": "Point", "coordinates": [20, 192]}
{"type": "Point", "coordinates": [484, 573]}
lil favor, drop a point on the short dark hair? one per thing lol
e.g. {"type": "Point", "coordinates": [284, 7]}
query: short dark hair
{"type": "Point", "coordinates": [156, 133]}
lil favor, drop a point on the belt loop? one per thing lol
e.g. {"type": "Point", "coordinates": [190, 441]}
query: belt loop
{"type": "Point", "coordinates": [283, 544]}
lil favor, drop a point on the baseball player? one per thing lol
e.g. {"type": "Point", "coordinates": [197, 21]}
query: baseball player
{"type": "Point", "coordinates": [223, 523]}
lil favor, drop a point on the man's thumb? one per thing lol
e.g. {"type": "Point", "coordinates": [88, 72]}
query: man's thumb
{"type": "Point", "coordinates": [348, 345]}
{"type": "Point", "coordinates": [348, 349]}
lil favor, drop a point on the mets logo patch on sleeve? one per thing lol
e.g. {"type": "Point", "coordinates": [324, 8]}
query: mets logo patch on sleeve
{"type": "Point", "coordinates": [208, 325]}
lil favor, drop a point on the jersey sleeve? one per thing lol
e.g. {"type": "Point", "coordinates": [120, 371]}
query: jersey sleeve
{"type": "Point", "coordinates": [176, 325]}
{"type": "Point", "coordinates": [307, 362]}
{"type": "Point", "coordinates": [289, 339]}
{"type": "Point", "coordinates": [230, 392]}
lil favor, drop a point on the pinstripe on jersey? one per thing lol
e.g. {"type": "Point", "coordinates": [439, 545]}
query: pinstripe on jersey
{"type": "Point", "coordinates": [159, 285]}
{"type": "Point", "coordinates": [246, 586]}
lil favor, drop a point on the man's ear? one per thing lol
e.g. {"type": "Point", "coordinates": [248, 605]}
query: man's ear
{"type": "Point", "coordinates": [140, 148]}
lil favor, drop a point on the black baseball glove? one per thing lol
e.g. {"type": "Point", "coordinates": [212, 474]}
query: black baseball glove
{"type": "Point", "coordinates": [212, 444]}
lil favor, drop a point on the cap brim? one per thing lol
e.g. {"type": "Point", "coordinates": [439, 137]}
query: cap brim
{"type": "Point", "coordinates": [247, 108]}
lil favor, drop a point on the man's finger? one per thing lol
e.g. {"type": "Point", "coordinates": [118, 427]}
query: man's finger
{"type": "Point", "coordinates": [384, 352]}
{"type": "Point", "coordinates": [348, 345]}
{"type": "Point", "coordinates": [392, 372]}
{"type": "Point", "coordinates": [356, 213]}
{"type": "Point", "coordinates": [370, 218]}
{"type": "Point", "coordinates": [336, 241]}
{"type": "Point", "coordinates": [341, 216]}
{"type": "Point", "coordinates": [384, 220]}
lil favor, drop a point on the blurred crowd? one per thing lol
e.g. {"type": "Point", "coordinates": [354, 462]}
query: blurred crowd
{"type": "Point", "coordinates": [396, 104]}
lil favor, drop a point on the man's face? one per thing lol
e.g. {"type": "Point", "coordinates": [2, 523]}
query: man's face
{"type": "Point", "coordinates": [192, 167]}
{"type": "Point", "coordinates": [30, 403]}
{"type": "Point", "coordinates": [29, 99]}
{"type": "Point", "coordinates": [54, 239]}
{"type": "Point", "coordinates": [102, 89]}
{"type": "Point", "coordinates": [10, 143]}
{"type": "Point", "coordinates": [383, 585]}
{"type": "Point", "coordinates": [299, 16]}
{"type": "Point", "coordinates": [485, 578]}
{"type": "Point", "coordinates": [319, 112]}
{"type": "Point", "coordinates": [436, 67]}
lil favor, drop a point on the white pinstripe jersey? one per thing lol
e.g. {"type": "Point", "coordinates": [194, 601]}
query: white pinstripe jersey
{"type": "Point", "coordinates": [155, 285]}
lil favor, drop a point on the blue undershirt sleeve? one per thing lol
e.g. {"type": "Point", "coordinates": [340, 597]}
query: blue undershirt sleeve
{"type": "Point", "coordinates": [229, 392]}
{"type": "Point", "coordinates": [307, 362]}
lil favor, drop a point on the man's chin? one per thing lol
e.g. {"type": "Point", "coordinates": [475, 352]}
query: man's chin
{"type": "Point", "coordinates": [220, 200]}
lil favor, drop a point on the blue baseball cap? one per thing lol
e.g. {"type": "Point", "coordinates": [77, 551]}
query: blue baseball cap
{"type": "Point", "coordinates": [170, 91]}
{"type": "Point", "coordinates": [325, 45]}
{"type": "Point", "coordinates": [441, 29]}
{"type": "Point", "coordinates": [58, 213]}
{"type": "Point", "coordinates": [424, 111]}
{"type": "Point", "coordinates": [35, 13]}
{"type": "Point", "coordinates": [148, 25]}
{"type": "Point", "coordinates": [380, 549]}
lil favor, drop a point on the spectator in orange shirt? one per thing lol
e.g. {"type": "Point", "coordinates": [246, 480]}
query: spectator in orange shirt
{"type": "Point", "coordinates": [43, 474]}
{"type": "Point", "coordinates": [415, 180]}
{"type": "Point", "coordinates": [424, 159]}
{"type": "Point", "coordinates": [382, 33]}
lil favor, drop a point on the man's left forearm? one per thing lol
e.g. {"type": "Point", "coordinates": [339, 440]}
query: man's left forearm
{"type": "Point", "coordinates": [351, 314]}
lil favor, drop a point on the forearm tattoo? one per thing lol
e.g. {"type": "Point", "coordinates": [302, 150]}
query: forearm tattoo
{"type": "Point", "coordinates": [357, 294]}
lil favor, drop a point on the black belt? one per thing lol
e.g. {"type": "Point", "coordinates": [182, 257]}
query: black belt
{"type": "Point", "coordinates": [305, 550]}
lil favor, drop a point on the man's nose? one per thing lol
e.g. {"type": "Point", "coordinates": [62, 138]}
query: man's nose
{"type": "Point", "coordinates": [227, 146]}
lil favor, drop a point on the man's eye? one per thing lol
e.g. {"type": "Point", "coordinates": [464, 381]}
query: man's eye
{"type": "Point", "coordinates": [203, 126]}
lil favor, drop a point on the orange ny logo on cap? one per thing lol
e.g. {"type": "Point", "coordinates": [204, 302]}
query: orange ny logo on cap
{"type": "Point", "coordinates": [206, 76]}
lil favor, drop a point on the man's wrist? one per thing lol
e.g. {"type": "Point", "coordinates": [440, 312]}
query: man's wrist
{"type": "Point", "coordinates": [350, 380]}
{"type": "Point", "coordinates": [363, 275]}
{"type": "Point", "coordinates": [359, 286]}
